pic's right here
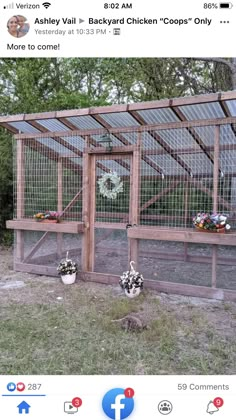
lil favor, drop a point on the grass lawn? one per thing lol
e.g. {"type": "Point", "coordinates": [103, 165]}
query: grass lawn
{"type": "Point", "coordinates": [41, 334]}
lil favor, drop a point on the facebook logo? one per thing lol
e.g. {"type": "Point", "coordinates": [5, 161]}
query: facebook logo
{"type": "Point", "coordinates": [116, 405]}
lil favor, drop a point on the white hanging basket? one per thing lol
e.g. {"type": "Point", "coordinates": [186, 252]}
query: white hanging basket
{"type": "Point", "coordinates": [133, 292]}
{"type": "Point", "coordinates": [68, 278]}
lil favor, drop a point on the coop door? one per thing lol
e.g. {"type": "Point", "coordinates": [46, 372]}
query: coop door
{"type": "Point", "coordinates": [113, 211]}
{"type": "Point", "coordinates": [113, 189]}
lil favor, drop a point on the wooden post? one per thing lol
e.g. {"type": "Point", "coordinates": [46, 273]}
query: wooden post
{"type": "Point", "coordinates": [59, 203]}
{"type": "Point", "coordinates": [92, 211]}
{"type": "Point", "coordinates": [186, 197]}
{"type": "Point", "coordinates": [85, 213]}
{"type": "Point", "coordinates": [20, 198]}
{"type": "Point", "coordinates": [215, 199]}
{"type": "Point", "coordinates": [135, 201]}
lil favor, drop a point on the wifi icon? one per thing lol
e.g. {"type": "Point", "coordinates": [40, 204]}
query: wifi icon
{"type": "Point", "coordinates": [46, 5]}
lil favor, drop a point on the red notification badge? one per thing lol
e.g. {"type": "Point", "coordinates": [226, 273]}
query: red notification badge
{"type": "Point", "coordinates": [76, 402]}
{"type": "Point", "coordinates": [129, 392]}
{"type": "Point", "coordinates": [218, 402]}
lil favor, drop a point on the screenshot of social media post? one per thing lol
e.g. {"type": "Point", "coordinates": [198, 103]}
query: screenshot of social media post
{"type": "Point", "coordinates": [117, 210]}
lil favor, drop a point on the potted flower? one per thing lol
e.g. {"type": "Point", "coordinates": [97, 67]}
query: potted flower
{"type": "Point", "coordinates": [67, 270]}
{"type": "Point", "coordinates": [48, 217]}
{"type": "Point", "coordinates": [211, 222]}
{"type": "Point", "coordinates": [131, 282]}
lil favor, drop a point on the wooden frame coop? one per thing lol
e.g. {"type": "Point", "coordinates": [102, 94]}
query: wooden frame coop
{"type": "Point", "coordinates": [175, 157]}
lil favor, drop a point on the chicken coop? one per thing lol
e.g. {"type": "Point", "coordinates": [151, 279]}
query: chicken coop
{"type": "Point", "coordinates": [127, 181]}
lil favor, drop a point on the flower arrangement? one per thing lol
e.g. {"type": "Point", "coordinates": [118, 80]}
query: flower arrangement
{"type": "Point", "coordinates": [67, 266]}
{"type": "Point", "coordinates": [48, 215]}
{"type": "Point", "coordinates": [110, 185]}
{"type": "Point", "coordinates": [131, 280]}
{"type": "Point", "coordinates": [213, 222]}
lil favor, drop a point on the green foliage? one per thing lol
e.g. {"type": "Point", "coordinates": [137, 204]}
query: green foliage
{"type": "Point", "coordinates": [6, 196]}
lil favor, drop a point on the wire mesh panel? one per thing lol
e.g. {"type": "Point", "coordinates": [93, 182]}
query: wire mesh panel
{"type": "Point", "coordinates": [165, 261]}
{"type": "Point", "coordinates": [111, 251]}
{"type": "Point", "coordinates": [177, 179]}
{"type": "Point", "coordinates": [51, 177]}
{"type": "Point", "coordinates": [226, 267]}
{"type": "Point", "coordinates": [40, 180]}
{"type": "Point", "coordinates": [113, 174]}
{"type": "Point", "coordinates": [47, 254]}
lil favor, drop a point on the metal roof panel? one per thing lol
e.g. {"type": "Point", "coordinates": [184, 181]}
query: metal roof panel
{"type": "Point", "coordinates": [202, 111]}
{"type": "Point", "coordinates": [84, 122]}
{"type": "Point", "coordinates": [53, 125]}
{"type": "Point", "coordinates": [232, 107]}
{"type": "Point", "coordinates": [161, 115]}
{"type": "Point", "coordinates": [24, 127]}
{"type": "Point", "coordinates": [120, 119]}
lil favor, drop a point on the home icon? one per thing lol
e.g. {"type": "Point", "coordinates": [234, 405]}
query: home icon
{"type": "Point", "coordinates": [23, 408]}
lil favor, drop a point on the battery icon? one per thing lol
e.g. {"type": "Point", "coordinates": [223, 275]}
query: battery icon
{"type": "Point", "coordinates": [226, 5]}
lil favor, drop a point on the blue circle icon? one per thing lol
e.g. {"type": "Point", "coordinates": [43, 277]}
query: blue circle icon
{"type": "Point", "coordinates": [116, 405]}
{"type": "Point", "coordinates": [11, 386]}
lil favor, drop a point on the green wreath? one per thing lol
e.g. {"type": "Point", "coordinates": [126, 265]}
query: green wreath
{"type": "Point", "coordinates": [110, 185]}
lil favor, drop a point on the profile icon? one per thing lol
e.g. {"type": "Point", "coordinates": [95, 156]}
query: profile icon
{"type": "Point", "coordinates": [18, 26]}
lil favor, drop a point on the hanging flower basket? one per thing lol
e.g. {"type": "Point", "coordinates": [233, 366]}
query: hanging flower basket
{"type": "Point", "coordinates": [68, 278]}
{"type": "Point", "coordinates": [110, 185]}
{"type": "Point", "coordinates": [67, 269]}
{"type": "Point", "coordinates": [211, 223]}
{"type": "Point", "coordinates": [131, 282]}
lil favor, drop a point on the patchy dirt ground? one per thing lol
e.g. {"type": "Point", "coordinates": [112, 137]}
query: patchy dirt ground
{"type": "Point", "coordinates": [68, 329]}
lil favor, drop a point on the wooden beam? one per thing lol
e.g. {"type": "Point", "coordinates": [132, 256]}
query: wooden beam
{"type": "Point", "coordinates": [85, 213]}
{"type": "Point", "coordinates": [59, 203]}
{"type": "Point", "coordinates": [135, 203]}
{"type": "Point", "coordinates": [29, 224]}
{"type": "Point", "coordinates": [133, 129]}
{"type": "Point", "coordinates": [215, 200]}
{"type": "Point", "coordinates": [163, 103]}
{"type": "Point", "coordinates": [181, 235]}
{"type": "Point", "coordinates": [20, 197]}
{"type": "Point", "coordinates": [92, 211]}
{"type": "Point", "coordinates": [167, 287]}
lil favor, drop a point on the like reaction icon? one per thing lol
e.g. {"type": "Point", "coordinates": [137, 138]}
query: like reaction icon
{"type": "Point", "coordinates": [11, 386]}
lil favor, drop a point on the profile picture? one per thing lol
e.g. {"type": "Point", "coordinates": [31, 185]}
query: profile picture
{"type": "Point", "coordinates": [18, 26]}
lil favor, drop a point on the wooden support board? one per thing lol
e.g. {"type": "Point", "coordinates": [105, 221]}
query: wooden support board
{"type": "Point", "coordinates": [62, 227]}
{"type": "Point", "coordinates": [181, 235]}
{"type": "Point", "coordinates": [168, 287]}
{"type": "Point", "coordinates": [159, 286]}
